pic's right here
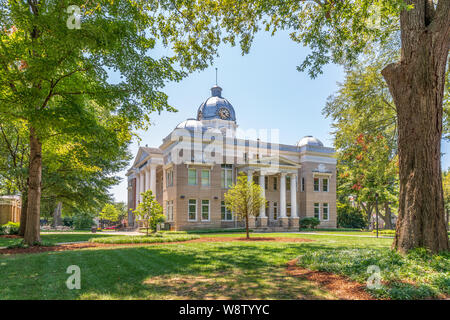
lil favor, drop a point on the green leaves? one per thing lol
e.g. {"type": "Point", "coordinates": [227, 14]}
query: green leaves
{"type": "Point", "coordinates": [244, 198]}
{"type": "Point", "coordinates": [149, 210]}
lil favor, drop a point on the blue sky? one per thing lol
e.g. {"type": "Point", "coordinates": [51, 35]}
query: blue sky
{"type": "Point", "coordinates": [265, 89]}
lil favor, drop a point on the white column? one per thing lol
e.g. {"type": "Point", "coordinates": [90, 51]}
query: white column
{"type": "Point", "coordinates": [141, 187]}
{"type": "Point", "coordinates": [249, 175]}
{"type": "Point", "coordinates": [294, 213]}
{"type": "Point", "coordinates": [147, 178]}
{"type": "Point", "coordinates": [283, 195]}
{"type": "Point", "coordinates": [153, 179]}
{"type": "Point", "coordinates": [262, 182]}
{"type": "Point", "coordinates": [138, 184]}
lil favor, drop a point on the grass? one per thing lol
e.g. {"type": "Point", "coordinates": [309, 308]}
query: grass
{"type": "Point", "coordinates": [218, 270]}
{"type": "Point", "coordinates": [57, 238]}
{"type": "Point", "coordinates": [152, 238]}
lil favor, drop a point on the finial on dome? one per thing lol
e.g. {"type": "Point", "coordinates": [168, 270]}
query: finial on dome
{"type": "Point", "coordinates": [216, 91]}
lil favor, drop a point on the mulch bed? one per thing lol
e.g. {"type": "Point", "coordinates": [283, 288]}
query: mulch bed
{"type": "Point", "coordinates": [10, 236]}
{"type": "Point", "coordinates": [339, 286]}
{"type": "Point", "coordinates": [252, 239]}
{"type": "Point", "coordinates": [77, 246]}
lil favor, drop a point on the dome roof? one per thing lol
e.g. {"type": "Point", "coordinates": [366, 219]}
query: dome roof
{"type": "Point", "coordinates": [309, 141]}
{"type": "Point", "coordinates": [190, 124]}
{"type": "Point", "coordinates": [216, 107]}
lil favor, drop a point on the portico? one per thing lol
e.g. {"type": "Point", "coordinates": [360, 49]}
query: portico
{"type": "Point", "coordinates": [281, 208]}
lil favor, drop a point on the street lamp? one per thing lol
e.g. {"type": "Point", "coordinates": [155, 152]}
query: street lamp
{"type": "Point", "coordinates": [376, 209]}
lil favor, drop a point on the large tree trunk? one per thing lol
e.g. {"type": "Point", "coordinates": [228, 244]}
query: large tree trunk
{"type": "Point", "coordinates": [32, 231]}
{"type": "Point", "coordinates": [57, 221]}
{"type": "Point", "coordinates": [387, 217]}
{"type": "Point", "coordinates": [417, 86]}
{"type": "Point", "coordinates": [23, 213]}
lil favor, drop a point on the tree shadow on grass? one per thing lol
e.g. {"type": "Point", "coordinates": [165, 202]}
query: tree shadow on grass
{"type": "Point", "coordinates": [178, 271]}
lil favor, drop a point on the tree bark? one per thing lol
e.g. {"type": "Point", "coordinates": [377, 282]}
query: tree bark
{"type": "Point", "coordinates": [387, 217]}
{"type": "Point", "coordinates": [57, 221]}
{"type": "Point", "coordinates": [246, 226]}
{"type": "Point", "coordinates": [23, 213]}
{"type": "Point", "coordinates": [416, 84]}
{"type": "Point", "coordinates": [32, 230]}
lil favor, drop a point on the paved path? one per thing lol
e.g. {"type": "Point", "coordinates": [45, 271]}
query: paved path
{"type": "Point", "coordinates": [343, 235]}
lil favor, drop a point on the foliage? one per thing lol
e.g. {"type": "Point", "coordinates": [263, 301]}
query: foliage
{"type": "Point", "coordinates": [154, 238]}
{"type": "Point", "coordinates": [56, 82]}
{"type": "Point", "coordinates": [245, 199]}
{"type": "Point", "coordinates": [11, 228]}
{"type": "Point", "coordinates": [365, 123]}
{"type": "Point", "coordinates": [82, 221]}
{"type": "Point", "coordinates": [149, 210]}
{"type": "Point", "coordinates": [309, 222]}
{"type": "Point", "coordinates": [22, 245]}
{"type": "Point", "coordinates": [428, 275]}
{"type": "Point", "coordinates": [79, 220]}
{"type": "Point", "coordinates": [109, 212]}
{"type": "Point", "coordinates": [350, 217]}
{"type": "Point", "coordinates": [446, 189]}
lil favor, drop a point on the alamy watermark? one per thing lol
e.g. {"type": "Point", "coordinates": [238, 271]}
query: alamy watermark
{"type": "Point", "coordinates": [74, 19]}
{"type": "Point", "coordinates": [74, 280]}
{"type": "Point", "coordinates": [374, 280]}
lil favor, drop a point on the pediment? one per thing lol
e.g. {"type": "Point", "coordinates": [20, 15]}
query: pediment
{"type": "Point", "coordinates": [275, 160]}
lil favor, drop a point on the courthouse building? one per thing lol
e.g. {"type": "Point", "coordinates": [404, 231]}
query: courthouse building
{"type": "Point", "coordinates": [201, 158]}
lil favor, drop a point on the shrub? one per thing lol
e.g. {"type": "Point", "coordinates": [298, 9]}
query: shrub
{"type": "Point", "coordinates": [416, 275]}
{"type": "Point", "coordinates": [309, 222]}
{"type": "Point", "coordinates": [82, 221]}
{"type": "Point", "coordinates": [153, 238]}
{"type": "Point", "coordinates": [10, 228]}
{"type": "Point", "coordinates": [386, 232]}
{"type": "Point", "coordinates": [350, 217]}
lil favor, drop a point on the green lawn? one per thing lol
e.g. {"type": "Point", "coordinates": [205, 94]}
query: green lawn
{"type": "Point", "coordinates": [227, 270]}
{"type": "Point", "coordinates": [57, 238]}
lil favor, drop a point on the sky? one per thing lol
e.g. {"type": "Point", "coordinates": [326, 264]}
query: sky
{"type": "Point", "coordinates": [266, 91]}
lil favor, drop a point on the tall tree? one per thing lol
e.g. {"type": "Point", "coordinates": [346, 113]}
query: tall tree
{"type": "Point", "coordinates": [365, 131]}
{"type": "Point", "coordinates": [54, 61]}
{"type": "Point", "coordinates": [338, 31]}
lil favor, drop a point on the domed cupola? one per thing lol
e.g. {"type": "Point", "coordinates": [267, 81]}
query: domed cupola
{"type": "Point", "coordinates": [190, 124]}
{"type": "Point", "coordinates": [216, 107]}
{"type": "Point", "coordinates": [309, 141]}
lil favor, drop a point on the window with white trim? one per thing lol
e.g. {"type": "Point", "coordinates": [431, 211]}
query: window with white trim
{"type": "Point", "coordinates": [325, 184]}
{"type": "Point", "coordinates": [316, 184]}
{"type": "Point", "coordinates": [192, 177]}
{"type": "Point", "coordinates": [275, 183]}
{"type": "Point", "coordinates": [192, 210]}
{"type": "Point", "coordinates": [227, 215]}
{"type": "Point", "coordinates": [227, 176]}
{"type": "Point", "coordinates": [169, 178]}
{"type": "Point", "coordinates": [288, 209]}
{"type": "Point", "coordinates": [169, 210]}
{"type": "Point", "coordinates": [206, 178]}
{"type": "Point", "coordinates": [205, 210]}
{"type": "Point", "coordinates": [325, 215]}
{"type": "Point", "coordinates": [317, 210]}
{"type": "Point", "coordinates": [288, 183]}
